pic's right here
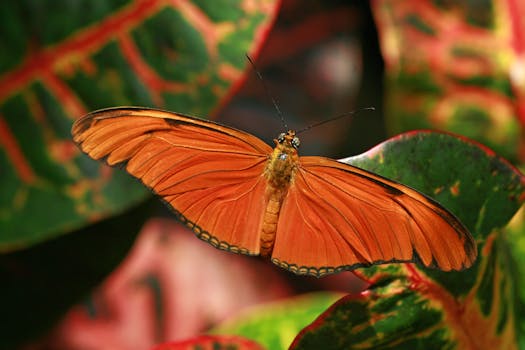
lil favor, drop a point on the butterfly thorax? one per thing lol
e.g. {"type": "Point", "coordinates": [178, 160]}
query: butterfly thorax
{"type": "Point", "coordinates": [282, 163]}
{"type": "Point", "coordinates": [280, 172]}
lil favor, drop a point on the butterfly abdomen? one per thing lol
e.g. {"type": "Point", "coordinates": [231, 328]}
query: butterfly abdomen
{"type": "Point", "coordinates": [270, 219]}
{"type": "Point", "coordinates": [280, 172]}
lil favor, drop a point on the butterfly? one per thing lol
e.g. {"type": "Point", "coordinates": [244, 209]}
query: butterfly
{"type": "Point", "coordinates": [310, 215]}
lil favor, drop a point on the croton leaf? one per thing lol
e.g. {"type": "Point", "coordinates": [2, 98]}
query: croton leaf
{"type": "Point", "coordinates": [216, 342]}
{"type": "Point", "coordinates": [456, 66]}
{"type": "Point", "coordinates": [66, 58]}
{"type": "Point", "coordinates": [411, 307]}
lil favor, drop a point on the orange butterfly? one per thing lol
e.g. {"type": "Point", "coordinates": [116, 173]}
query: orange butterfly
{"type": "Point", "coordinates": [311, 215]}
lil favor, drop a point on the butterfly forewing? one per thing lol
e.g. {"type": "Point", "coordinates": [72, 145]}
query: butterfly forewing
{"type": "Point", "coordinates": [211, 175]}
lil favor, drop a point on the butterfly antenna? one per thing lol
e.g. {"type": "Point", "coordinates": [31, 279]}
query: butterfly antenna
{"type": "Point", "coordinates": [335, 118]}
{"type": "Point", "coordinates": [267, 91]}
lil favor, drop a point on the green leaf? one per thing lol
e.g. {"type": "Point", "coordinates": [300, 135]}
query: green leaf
{"type": "Point", "coordinates": [411, 307]}
{"type": "Point", "coordinates": [62, 59]}
{"type": "Point", "coordinates": [274, 325]}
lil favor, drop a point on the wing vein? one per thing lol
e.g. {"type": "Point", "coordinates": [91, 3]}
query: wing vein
{"type": "Point", "coordinates": [206, 149]}
{"type": "Point", "coordinates": [215, 171]}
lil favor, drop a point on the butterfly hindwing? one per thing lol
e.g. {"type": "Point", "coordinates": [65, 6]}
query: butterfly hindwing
{"type": "Point", "coordinates": [338, 217]}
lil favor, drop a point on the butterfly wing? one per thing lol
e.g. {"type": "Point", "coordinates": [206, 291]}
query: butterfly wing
{"type": "Point", "coordinates": [209, 174]}
{"type": "Point", "coordinates": [338, 217]}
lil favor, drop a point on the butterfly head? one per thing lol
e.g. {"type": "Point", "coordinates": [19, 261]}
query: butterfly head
{"type": "Point", "coordinates": [288, 139]}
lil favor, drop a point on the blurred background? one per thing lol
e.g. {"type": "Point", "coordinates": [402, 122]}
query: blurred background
{"type": "Point", "coordinates": [90, 261]}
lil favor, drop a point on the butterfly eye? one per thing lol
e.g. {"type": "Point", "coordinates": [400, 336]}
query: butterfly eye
{"type": "Point", "coordinates": [296, 142]}
{"type": "Point", "coordinates": [281, 136]}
